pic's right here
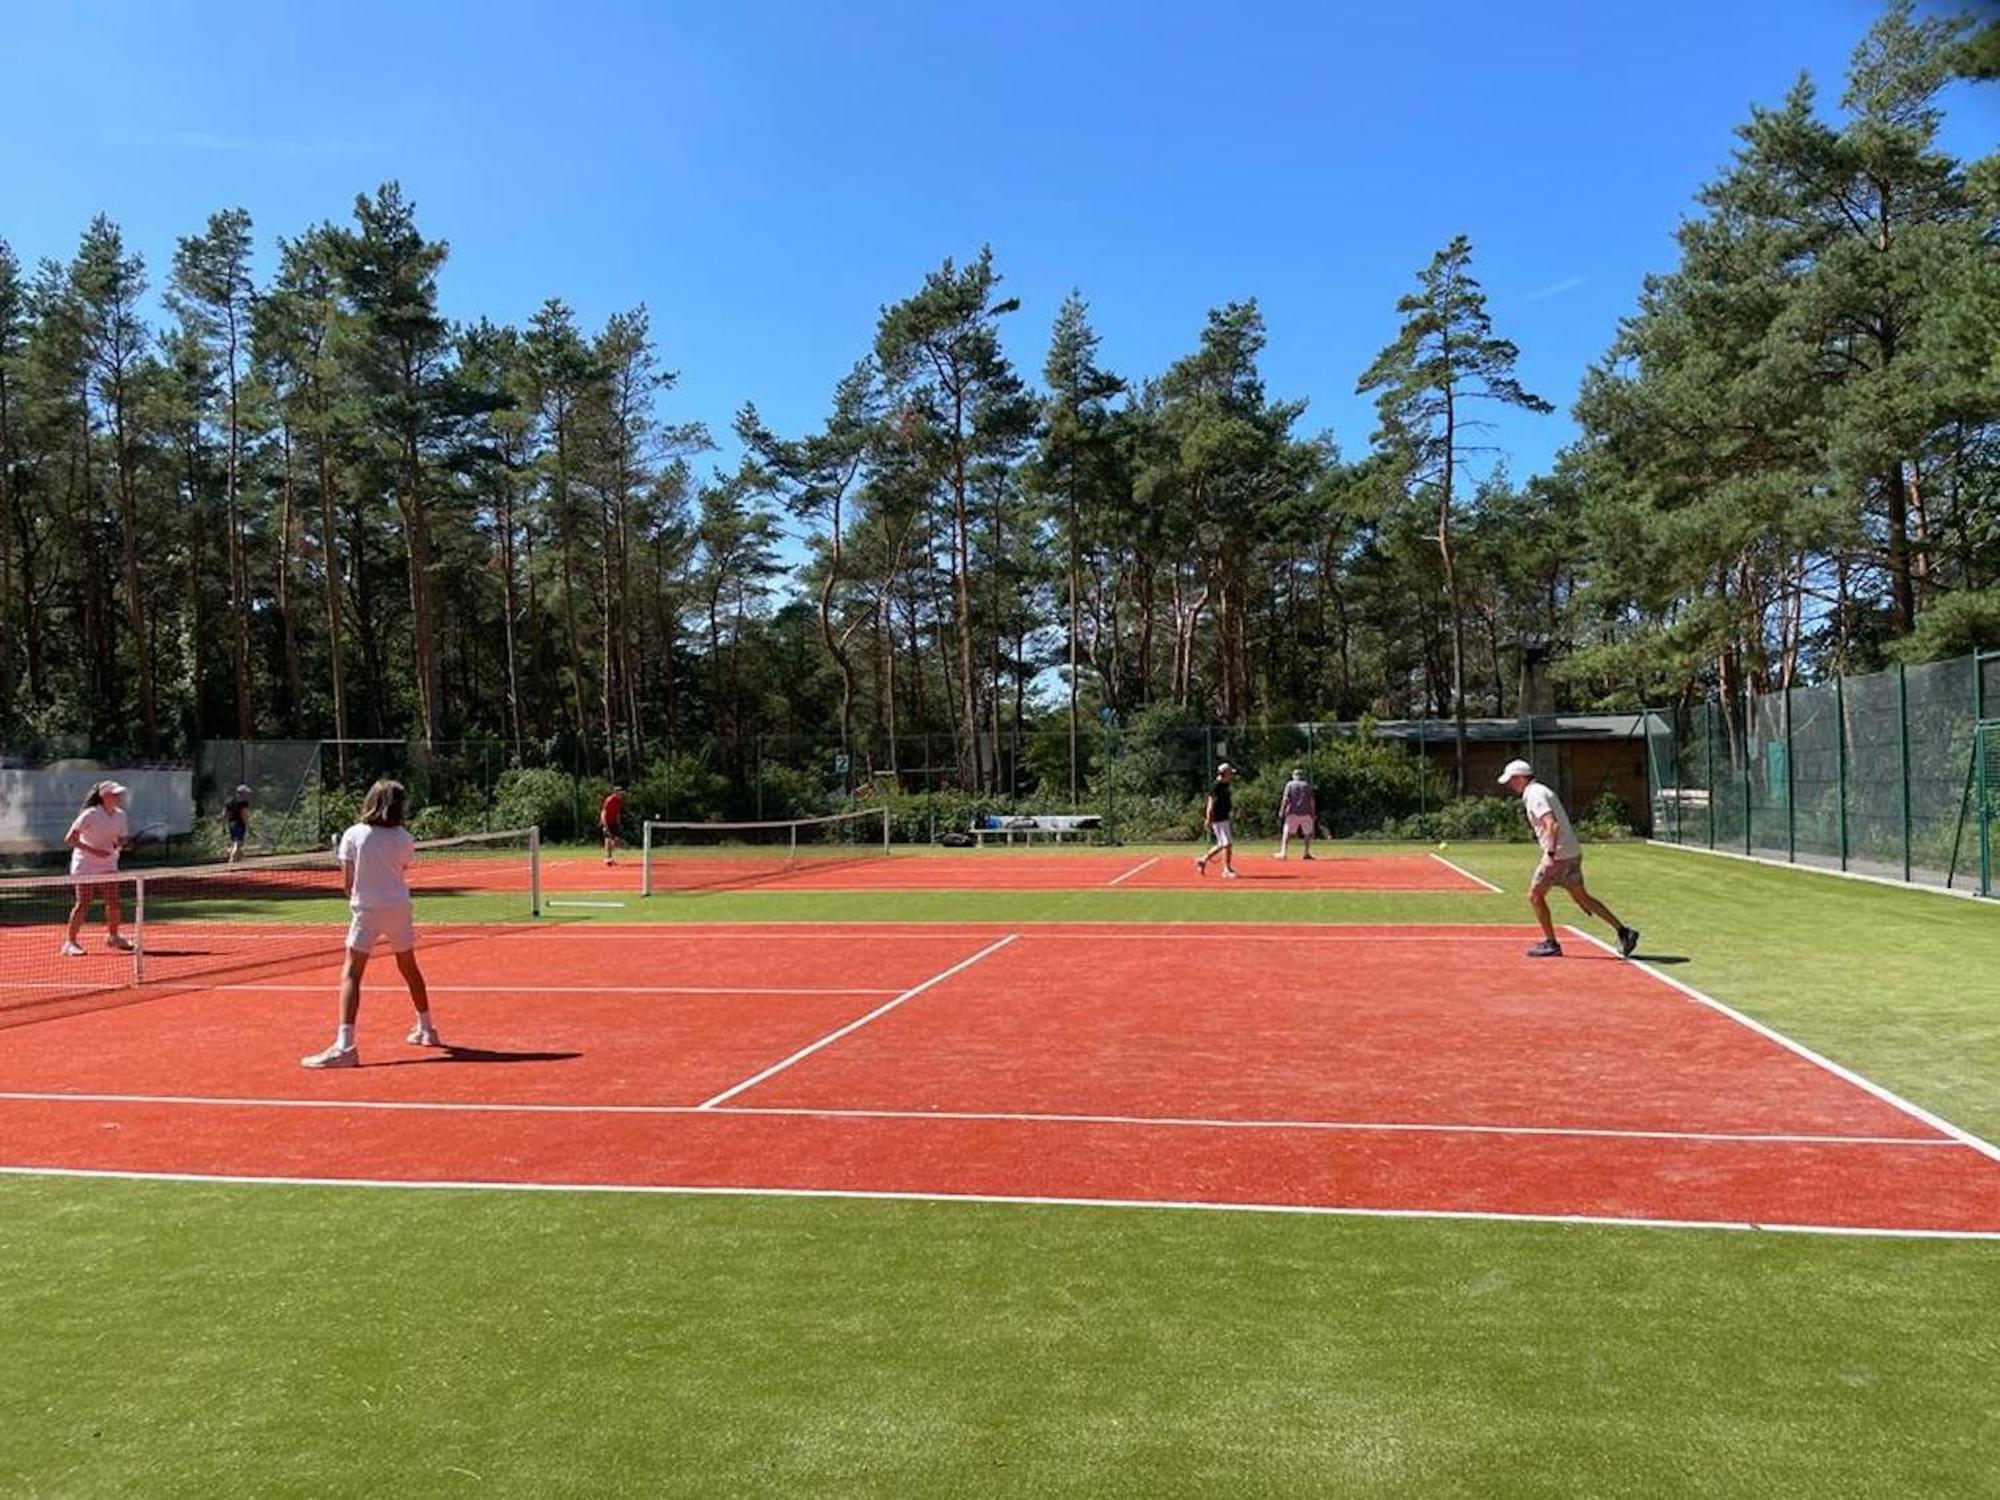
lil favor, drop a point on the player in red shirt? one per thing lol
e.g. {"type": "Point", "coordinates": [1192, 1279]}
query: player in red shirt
{"type": "Point", "coordinates": [607, 819]}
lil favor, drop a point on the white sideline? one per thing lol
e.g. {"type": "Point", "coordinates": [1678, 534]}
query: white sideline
{"type": "Point", "coordinates": [1138, 869]}
{"type": "Point", "coordinates": [1786, 864]}
{"type": "Point", "coordinates": [560, 989]}
{"type": "Point", "coordinates": [855, 1025]}
{"type": "Point", "coordinates": [1847, 1075]}
{"type": "Point", "coordinates": [1607, 1221]}
{"type": "Point", "coordinates": [1452, 864]}
{"type": "Point", "coordinates": [1000, 1117]}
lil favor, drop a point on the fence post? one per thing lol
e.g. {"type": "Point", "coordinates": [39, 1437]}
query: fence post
{"type": "Point", "coordinates": [1708, 769]}
{"type": "Point", "coordinates": [1903, 759]}
{"type": "Point", "coordinates": [1749, 709]}
{"type": "Point", "coordinates": [1840, 762]}
{"type": "Point", "coordinates": [1984, 772]}
{"type": "Point", "coordinates": [1791, 800]}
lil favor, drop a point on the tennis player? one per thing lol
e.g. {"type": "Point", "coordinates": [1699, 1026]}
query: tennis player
{"type": "Point", "coordinates": [608, 815]}
{"type": "Point", "coordinates": [236, 821]}
{"type": "Point", "coordinates": [1561, 862]}
{"type": "Point", "coordinates": [375, 856]}
{"type": "Point", "coordinates": [96, 838]}
{"type": "Point", "coordinates": [1298, 813]}
{"type": "Point", "coordinates": [1215, 818]}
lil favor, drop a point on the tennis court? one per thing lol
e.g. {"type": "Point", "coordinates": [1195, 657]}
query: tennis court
{"type": "Point", "coordinates": [1408, 1070]}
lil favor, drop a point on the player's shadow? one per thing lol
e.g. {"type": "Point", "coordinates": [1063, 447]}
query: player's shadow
{"type": "Point", "coordinates": [1660, 958]}
{"type": "Point", "coordinates": [476, 1055]}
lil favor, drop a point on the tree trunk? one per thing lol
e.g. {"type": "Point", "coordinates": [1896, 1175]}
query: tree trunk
{"type": "Point", "coordinates": [239, 572]}
{"type": "Point", "coordinates": [287, 626]}
{"type": "Point", "coordinates": [329, 538]}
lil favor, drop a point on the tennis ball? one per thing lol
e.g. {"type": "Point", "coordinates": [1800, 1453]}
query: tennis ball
{"type": "Point", "coordinates": [1442, 847]}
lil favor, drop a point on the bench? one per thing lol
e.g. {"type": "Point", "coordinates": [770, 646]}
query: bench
{"type": "Point", "coordinates": [1057, 826]}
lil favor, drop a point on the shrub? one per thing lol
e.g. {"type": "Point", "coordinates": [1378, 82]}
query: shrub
{"type": "Point", "coordinates": [536, 797]}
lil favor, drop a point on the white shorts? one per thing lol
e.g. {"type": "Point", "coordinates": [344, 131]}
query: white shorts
{"type": "Point", "coordinates": [1301, 823]}
{"type": "Point", "coordinates": [1222, 838]}
{"type": "Point", "coordinates": [392, 924]}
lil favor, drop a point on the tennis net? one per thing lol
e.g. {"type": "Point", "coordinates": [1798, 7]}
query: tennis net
{"type": "Point", "coordinates": [721, 856]}
{"type": "Point", "coordinates": [179, 926]}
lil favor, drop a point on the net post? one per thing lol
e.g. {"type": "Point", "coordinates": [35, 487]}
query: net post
{"type": "Point", "coordinates": [535, 871]}
{"type": "Point", "coordinates": [1903, 759]}
{"type": "Point", "coordinates": [885, 829]}
{"type": "Point", "coordinates": [1749, 709]}
{"type": "Point", "coordinates": [138, 929]}
{"type": "Point", "coordinates": [645, 857]}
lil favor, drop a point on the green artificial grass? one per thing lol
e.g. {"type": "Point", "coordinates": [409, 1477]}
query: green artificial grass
{"type": "Point", "coordinates": [200, 1341]}
{"type": "Point", "coordinates": [168, 1339]}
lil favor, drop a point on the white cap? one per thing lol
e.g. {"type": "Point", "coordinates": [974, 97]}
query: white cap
{"type": "Point", "coordinates": [1225, 766]}
{"type": "Point", "coordinates": [242, 788]}
{"type": "Point", "coordinates": [1516, 768]}
{"type": "Point", "coordinates": [116, 788]}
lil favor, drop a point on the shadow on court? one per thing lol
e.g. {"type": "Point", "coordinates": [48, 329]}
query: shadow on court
{"type": "Point", "coordinates": [475, 1055]}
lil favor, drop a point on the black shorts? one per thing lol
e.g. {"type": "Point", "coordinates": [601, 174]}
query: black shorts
{"type": "Point", "coordinates": [238, 832]}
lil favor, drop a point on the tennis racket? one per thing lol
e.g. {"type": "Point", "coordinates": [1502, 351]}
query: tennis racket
{"type": "Point", "coordinates": [148, 834]}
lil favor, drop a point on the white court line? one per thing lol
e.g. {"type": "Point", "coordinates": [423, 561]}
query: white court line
{"type": "Point", "coordinates": [1138, 869]}
{"type": "Point", "coordinates": [562, 989]}
{"type": "Point", "coordinates": [1001, 1117]}
{"type": "Point", "coordinates": [1452, 864]}
{"type": "Point", "coordinates": [1845, 1074]}
{"type": "Point", "coordinates": [855, 1025]}
{"type": "Point", "coordinates": [1014, 1200]}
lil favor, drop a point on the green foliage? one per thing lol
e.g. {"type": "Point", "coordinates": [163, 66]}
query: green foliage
{"type": "Point", "coordinates": [536, 798]}
{"type": "Point", "coordinates": [1955, 625]}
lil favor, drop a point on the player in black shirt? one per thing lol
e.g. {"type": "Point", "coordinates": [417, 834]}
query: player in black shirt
{"type": "Point", "coordinates": [1215, 818]}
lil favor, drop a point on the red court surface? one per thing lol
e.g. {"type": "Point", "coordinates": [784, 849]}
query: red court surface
{"type": "Point", "coordinates": [1407, 1070]}
{"type": "Point", "coordinates": [1016, 870]}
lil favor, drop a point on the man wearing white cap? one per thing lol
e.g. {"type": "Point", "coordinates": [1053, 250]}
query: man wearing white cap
{"type": "Point", "coordinates": [1561, 863]}
{"type": "Point", "coordinates": [1215, 818]}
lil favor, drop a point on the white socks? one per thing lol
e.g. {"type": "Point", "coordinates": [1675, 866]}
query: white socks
{"type": "Point", "coordinates": [343, 1037]}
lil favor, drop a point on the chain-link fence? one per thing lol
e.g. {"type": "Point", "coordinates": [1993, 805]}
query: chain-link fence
{"type": "Point", "coordinates": [1142, 781]}
{"type": "Point", "coordinates": [1876, 775]}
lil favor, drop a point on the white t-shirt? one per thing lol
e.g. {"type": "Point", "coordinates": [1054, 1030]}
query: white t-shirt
{"type": "Point", "coordinates": [104, 829]}
{"type": "Point", "coordinates": [377, 858]}
{"type": "Point", "coordinates": [1541, 802]}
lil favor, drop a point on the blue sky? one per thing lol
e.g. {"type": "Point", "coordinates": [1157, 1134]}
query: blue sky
{"type": "Point", "coordinates": [764, 177]}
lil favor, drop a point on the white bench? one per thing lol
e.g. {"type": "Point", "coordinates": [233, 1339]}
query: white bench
{"type": "Point", "coordinates": [1056, 826]}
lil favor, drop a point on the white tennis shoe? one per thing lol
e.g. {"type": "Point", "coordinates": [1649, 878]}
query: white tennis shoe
{"type": "Point", "coordinates": [333, 1057]}
{"type": "Point", "coordinates": [118, 943]}
{"type": "Point", "coordinates": [73, 950]}
{"type": "Point", "coordinates": [423, 1036]}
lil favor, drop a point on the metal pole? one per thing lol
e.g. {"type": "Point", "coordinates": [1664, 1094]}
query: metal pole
{"type": "Point", "coordinates": [1708, 770]}
{"type": "Point", "coordinates": [1749, 708]}
{"type": "Point", "coordinates": [139, 930]}
{"type": "Point", "coordinates": [1791, 800]}
{"type": "Point", "coordinates": [1840, 761]}
{"type": "Point", "coordinates": [1903, 757]}
{"type": "Point", "coordinates": [1985, 772]}
{"type": "Point", "coordinates": [535, 871]}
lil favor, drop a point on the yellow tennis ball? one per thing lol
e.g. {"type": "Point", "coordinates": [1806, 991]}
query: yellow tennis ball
{"type": "Point", "coordinates": [1442, 847]}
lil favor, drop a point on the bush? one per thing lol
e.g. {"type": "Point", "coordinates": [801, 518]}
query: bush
{"type": "Point", "coordinates": [536, 797]}
{"type": "Point", "coordinates": [1482, 817]}
{"type": "Point", "coordinates": [1608, 818]}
